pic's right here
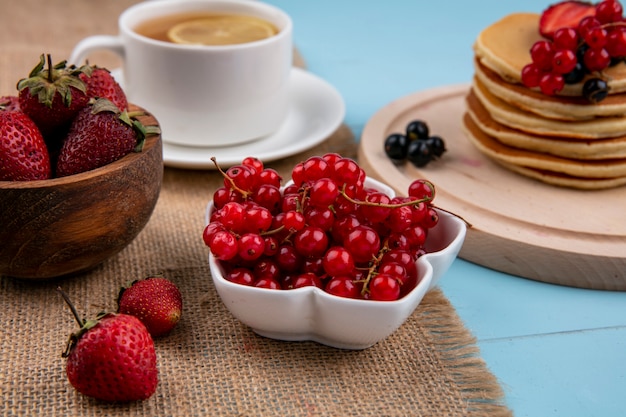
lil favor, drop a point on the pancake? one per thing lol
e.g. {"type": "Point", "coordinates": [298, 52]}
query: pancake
{"type": "Point", "coordinates": [516, 118]}
{"type": "Point", "coordinates": [568, 148]}
{"type": "Point", "coordinates": [555, 178]}
{"type": "Point", "coordinates": [552, 107]}
{"type": "Point", "coordinates": [504, 47]}
{"type": "Point", "coordinates": [596, 169]}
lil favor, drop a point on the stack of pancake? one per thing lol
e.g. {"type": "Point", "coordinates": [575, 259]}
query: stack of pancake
{"type": "Point", "coordinates": [562, 140]}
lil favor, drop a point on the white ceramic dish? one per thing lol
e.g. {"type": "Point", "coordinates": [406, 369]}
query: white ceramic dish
{"type": "Point", "coordinates": [312, 314]}
{"type": "Point", "coordinates": [317, 111]}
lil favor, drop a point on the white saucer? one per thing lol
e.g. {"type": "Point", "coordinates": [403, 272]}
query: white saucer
{"type": "Point", "coordinates": [318, 110]}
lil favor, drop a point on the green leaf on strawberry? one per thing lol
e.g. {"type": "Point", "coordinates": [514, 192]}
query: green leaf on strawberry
{"type": "Point", "coordinates": [52, 96]}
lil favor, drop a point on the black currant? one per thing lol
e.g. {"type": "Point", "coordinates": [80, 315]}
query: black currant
{"type": "Point", "coordinates": [595, 90]}
{"type": "Point", "coordinates": [396, 147]}
{"type": "Point", "coordinates": [437, 145]}
{"type": "Point", "coordinates": [419, 153]}
{"type": "Point", "coordinates": [417, 129]}
{"type": "Point", "coordinates": [576, 75]}
{"type": "Point", "coordinates": [580, 56]}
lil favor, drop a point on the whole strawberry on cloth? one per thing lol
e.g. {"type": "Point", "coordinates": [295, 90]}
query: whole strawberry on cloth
{"type": "Point", "coordinates": [156, 301]}
{"type": "Point", "coordinates": [99, 135]}
{"type": "Point", "coordinates": [23, 152]}
{"type": "Point", "coordinates": [111, 358]}
{"type": "Point", "coordinates": [52, 96]}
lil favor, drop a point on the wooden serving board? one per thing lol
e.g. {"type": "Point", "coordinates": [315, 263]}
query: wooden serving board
{"type": "Point", "coordinates": [519, 225]}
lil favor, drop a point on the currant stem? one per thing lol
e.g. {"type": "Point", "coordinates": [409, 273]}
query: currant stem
{"type": "Point", "coordinates": [371, 271]}
{"type": "Point", "coordinates": [390, 206]}
{"type": "Point", "coordinates": [230, 180]}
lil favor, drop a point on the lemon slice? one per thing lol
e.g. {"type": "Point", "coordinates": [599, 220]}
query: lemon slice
{"type": "Point", "coordinates": [221, 30]}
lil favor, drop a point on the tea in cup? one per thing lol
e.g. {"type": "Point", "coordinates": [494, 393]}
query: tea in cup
{"type": "Point", "coordinates": [213, 72]}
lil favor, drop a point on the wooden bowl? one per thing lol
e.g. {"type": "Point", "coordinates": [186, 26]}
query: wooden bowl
{"type": "Point", "coordinates": [50, 228]}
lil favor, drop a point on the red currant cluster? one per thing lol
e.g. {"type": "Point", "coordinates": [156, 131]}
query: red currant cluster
{"type": "Point", "coordinates": [596, 43]}
{"type": "Point", "coordinates": [326, 228]}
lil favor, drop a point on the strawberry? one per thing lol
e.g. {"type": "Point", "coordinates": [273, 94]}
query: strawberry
{"type": "Point", "coordinates": [23, 152]}
{"type": "Point", "coordinates": [564, 14]}
{"type": "Point", "coordinates": [100, 83]}
{"type": "Point", "coordinates": [52, 97]}
{"type": "Point", "coordinates": [156, 301]}
{"type": "Point", "coordinates": [111, 358]}
{"type": "Point", "coordinates": [99, 135]}
{"type": "Point", "coordinates": [8, 103]}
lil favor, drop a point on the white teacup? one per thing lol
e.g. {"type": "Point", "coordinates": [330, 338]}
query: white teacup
{"type": "Point", "coordinates": [203, 96]}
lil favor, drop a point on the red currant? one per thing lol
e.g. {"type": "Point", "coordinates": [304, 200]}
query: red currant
{"type": "Point", "coordinates": [239, 176]}
{"type": "Point", "coordinates": [586, 24]}
{"type": "Point", "coordinates": [251, 246]}
{"type": "Point", "coordinates": [307, 279]}
{"type": "Point", "coordinates": [566, 38]}
{"type": "Point", "coordinates": [288, 258]}
{"type": "Point", "coordinates": [315, 168]}
{"type": "Point", "coordinates": [596, 37]}
{"type": "Point", "coordinates": [531, 74]}
{"type": "Point", "coordinates": [311, 242]}
{"type": "Point", "coordinates": [422, 190]}
{"type": "Point", "coordinates": [257, 219]}
{"type": "Point", "coordinates": [266, 268]}
{"type": "Point", "coordinates": [597, 59]}
{"type": "Point", "coordinates": [384, 287]}
{"type": "Point", "coordinates": [253, 162]}
{"type": "Point", "coordinates": [223, 245]}
{"type": "Point", "coordinates": [346, 171]}
{"type": "Point", "coordinates": [241, 276]}
{"type": "Point", "coordinates": [363, 242]}
{"type": "Point", "coordinates": [343, 286]}
{"type": "Point", "coordinates": [268, 283]}
{"type": "Point", "coordinates": [270, 176]}
{"type": "Point", "coordinates": [551, 83]}
{"type": "Point", "coordinates": [338, 261]}
{"type": "Point", "coordinates": [542, 53]}
{"type": "Point", "coordinates": [616, 42]}
{"type": "Point", "coordinates": [268, 196]}
{"type": "Point", "coordinates": [321, 217]}
{"type": "Point", "coordinates": [323, 192]}
{"type": "Point", "coordinates": [564, 61]}
{"type": "Point", "coordinates": [609, 11]}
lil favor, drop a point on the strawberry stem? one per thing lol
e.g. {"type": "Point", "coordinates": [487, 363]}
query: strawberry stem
{"type": "Point", "coordinates": [50, 77]}
{"type": "Point", "coordinates": [66, 297]}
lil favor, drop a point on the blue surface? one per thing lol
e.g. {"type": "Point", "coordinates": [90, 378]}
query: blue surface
{"type": "Point", "coordinates": [557, 351]}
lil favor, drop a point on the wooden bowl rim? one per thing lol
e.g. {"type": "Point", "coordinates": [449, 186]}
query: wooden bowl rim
{"type": "Point", "coordinates": [150, 142]}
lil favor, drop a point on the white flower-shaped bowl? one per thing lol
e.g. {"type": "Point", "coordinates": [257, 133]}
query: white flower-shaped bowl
{"type": "Point", "coordinates": [312, 314]}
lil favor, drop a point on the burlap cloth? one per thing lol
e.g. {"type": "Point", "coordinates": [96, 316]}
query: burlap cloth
{"type": "Point", "coordinates": [211, 364]}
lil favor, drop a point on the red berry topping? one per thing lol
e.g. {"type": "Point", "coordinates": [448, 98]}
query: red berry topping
{"type": "Point", "coordinates": [564, 61]}
{"type": "Point", "coordinates": [531, 75]}
{"type": "Point", "coordinates": [616, 42]}
{"type": "Point", "coordinates": [566, 38]}
{"type": "Point", "coordinates": [542, 54]}
{"type": "Point", "coordinates": [597, 59]}
{"type": "Point", "coordinates": [563, 14]}
{"type": "Point", "coordinates": [609, 11]}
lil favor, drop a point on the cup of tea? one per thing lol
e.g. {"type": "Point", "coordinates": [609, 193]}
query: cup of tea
{"type": "Point", "coordinates": [213, 72]}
